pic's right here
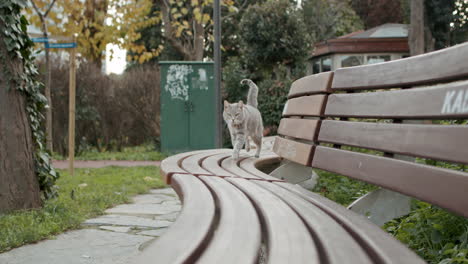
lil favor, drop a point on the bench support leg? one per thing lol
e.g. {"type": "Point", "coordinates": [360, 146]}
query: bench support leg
{"type": "Point", "coordinates": [382, 205]}
{"type": "Point", "coordinates": [296, 173]}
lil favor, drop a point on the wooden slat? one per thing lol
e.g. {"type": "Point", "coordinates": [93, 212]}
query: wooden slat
{"type": "Point", "coordinates": [212, 164]}
{"type": "Point", "coordinates": [295, 151]}
{"type": "Point", "coordinates": [192, 164]}
{"type": "Point", "coordinates": [438, 102]}
{"type": "Point", "coordinates": [446, 64]}
{"type": "Point", "coordinates": [232, 166]}
{"type": "Point", "coordinates": [443, 187]}
{"type": "Point", "coordinates": [172, 164]}
{"type": "Point", "coordinates": [238, 234]}
{"type": "Point", "coordinates": [442, 142]}
{"type": "Point", "coordinates": [336, 244]}
{"type": "Point", "coordinates": [305, 106]}
{"type": "Point", "coordinates": [288, 239]}
{"type": "Point", "coordinates": [299, 128]}
{"type": "Point", "coordinates": [382, 247]}
{"type": "Point", "coordinates": [182, 242]}
{"type": "Point", "coordinates": [312, 84]}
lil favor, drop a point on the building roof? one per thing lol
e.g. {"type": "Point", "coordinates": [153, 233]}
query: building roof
{"type": "Point", "coordinates": [384, 38]}
{"type": "Point", "coordinates": [384, 31]}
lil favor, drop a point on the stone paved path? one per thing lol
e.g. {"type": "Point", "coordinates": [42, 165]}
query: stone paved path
{"type": "Point", "coordinates": [112, 238]}
{"type": "Point", "coordinates": [115, 237]}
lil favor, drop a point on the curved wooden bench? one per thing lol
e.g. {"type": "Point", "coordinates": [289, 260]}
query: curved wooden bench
{"type": "Point", "coordinates": [235, 213]}
{"type": "Point", "coordinates": [294, 229]}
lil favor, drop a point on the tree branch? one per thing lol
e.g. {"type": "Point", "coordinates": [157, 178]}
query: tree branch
{"type": "Point", "coordinates": [50, 8]}
{"type": "Point", "coordinates": [168, 30]}
{"type": "Point", "coordinates": [41, 16]}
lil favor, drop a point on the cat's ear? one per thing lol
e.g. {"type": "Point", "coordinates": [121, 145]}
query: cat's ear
{"type": "Point", "coordinates": [226, 104]}
{"type": "Point", "coordinates": [241, 104]}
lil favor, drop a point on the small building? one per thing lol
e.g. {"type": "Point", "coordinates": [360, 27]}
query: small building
{"type": "Point", "coordinates": [383, 43]}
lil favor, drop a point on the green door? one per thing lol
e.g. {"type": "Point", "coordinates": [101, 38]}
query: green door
{"type": "Point", "coordinates": [188, 112]}
{"type": "Point", "coordinates": [202, 108]}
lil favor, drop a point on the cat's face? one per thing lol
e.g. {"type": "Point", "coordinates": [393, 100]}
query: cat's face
{"type": "Point", "coordinates": [233, 113]}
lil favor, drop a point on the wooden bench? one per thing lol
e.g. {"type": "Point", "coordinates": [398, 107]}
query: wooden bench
{"type": "Point", "coordinates": [232, 210]}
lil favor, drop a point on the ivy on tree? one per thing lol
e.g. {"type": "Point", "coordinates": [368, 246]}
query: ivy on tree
{"type": "Point", "coordinates": [19, 46]}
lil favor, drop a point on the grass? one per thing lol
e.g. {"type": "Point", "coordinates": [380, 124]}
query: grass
{"type": "Point", "coordinates": [340, 189]}
{"type": "Point", "coordinates": [83, 196]}
{"type": "Point", "coordinates": [438, 236]}
{"type": "Point", "coordinates": [140, 153]}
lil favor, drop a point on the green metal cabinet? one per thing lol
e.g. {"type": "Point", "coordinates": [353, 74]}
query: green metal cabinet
{"type": "Point", "coordinates": [188, 112]}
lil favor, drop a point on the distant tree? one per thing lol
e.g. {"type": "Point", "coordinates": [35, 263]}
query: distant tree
{"type": "Point", "coordinates": [327, 19]}
{"type": "Point", "coordinates": [273, 33]}
{"type": "Point", "coordinates": [436, 24]}
{"type": "Point", "coordinates": [98, 23]}
{"type": "Point", "coordinates": [152, 38]}
{"type": "Point", "coordinates": [43, 19]}
{"type": "Point", "coordinates": [459, 26]}
{"type": "Point", "coordinates": [230, 38]}
{"type": "Point", "coordinates": [446, 23]}
{"type": "Point", "coordinates": [188, 25]}
{"type": "Point", "coordinates": [377, 12]}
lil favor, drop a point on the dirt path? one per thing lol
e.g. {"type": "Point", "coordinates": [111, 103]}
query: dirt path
{"type": "Point", "coordinates": [63, 164]}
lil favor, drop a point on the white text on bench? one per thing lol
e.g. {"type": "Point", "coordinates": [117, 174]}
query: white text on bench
{"type": "Point", "coordinates": [455, 102]}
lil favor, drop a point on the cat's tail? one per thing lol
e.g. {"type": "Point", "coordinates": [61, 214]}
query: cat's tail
{"type": "Point", "coordinates": [253, 92]}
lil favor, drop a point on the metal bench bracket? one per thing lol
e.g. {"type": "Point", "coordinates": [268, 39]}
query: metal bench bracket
{"type": "Point", "coordinates": [296, 174]}
{"type": "Point", "coordinates": [382, 205]}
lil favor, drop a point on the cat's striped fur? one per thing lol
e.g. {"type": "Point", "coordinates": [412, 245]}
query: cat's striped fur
{"type": "Point", "coordinates": [244, 121]}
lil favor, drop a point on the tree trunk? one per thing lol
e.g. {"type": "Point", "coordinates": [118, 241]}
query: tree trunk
{"type": "Point", "coordinates": [199, 41]}
{"type": "Point", "coordinates": [19, 188]}
{"type": "Point", "coordinates": [192, 50]}
{"type": "Point", "coordinates": [95, 13]}
{"type": "Point", "coordinates": [416, 33]}
{"type": "Point", "coordinates": [49, 133]}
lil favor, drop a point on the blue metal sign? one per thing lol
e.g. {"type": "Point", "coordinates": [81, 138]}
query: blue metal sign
{"type": "Point", "coordinates": [40, 40]}
{"type": "Point", "coordinates": [60, 45]}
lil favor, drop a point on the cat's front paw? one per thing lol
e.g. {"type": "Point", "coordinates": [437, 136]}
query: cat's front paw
{"type": "Point", "coordinates": [235, 156]}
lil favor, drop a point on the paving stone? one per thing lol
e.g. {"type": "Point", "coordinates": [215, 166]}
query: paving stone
{"type": "Point", "coordinates": [169, 191]}
{"type": "Point", "coordinates": [143, 209]}
{"type": "Point", "coordinates": [150, 215]}
{"type": "Point", "coordinates": [125, 220]}
{"type": "Point", "coordinates": [152, 198]}
{"type": "Point", "coordinates": [171, 202]}
{"type": "Point", "coordinates": [156, 233]}
{"type": "Point", "coordinates": [87, 246]}
{"type": "Point", "coordinates": [167, 217]}
{"type": "Point", "coordinates": [120, 229]}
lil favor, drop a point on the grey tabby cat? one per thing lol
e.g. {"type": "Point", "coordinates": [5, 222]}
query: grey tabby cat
{"type": "Point", "coordinates": [244, 121]}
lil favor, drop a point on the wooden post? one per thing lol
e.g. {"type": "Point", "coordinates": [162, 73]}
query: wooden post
{"type": "Point", "coordinates": [71, 121]}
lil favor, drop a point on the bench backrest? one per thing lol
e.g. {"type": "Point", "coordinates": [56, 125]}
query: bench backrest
{"type": "Point", "coordinates": [373, 107]}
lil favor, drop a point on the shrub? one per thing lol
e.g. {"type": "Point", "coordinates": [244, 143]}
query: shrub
{"type": "Point", "coordinates": [271, 99]}
{"type": "Point", "coordinates": [436, 235]}
{"type": "Point", "coordinates": [111, 111]}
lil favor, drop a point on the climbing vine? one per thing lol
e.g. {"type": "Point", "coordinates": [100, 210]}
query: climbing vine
{"type": "Point", "coordinates": [19, 47]}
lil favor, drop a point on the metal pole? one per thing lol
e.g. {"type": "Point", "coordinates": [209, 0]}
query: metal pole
{"type": "Point", "coordinates": [217, 70]}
